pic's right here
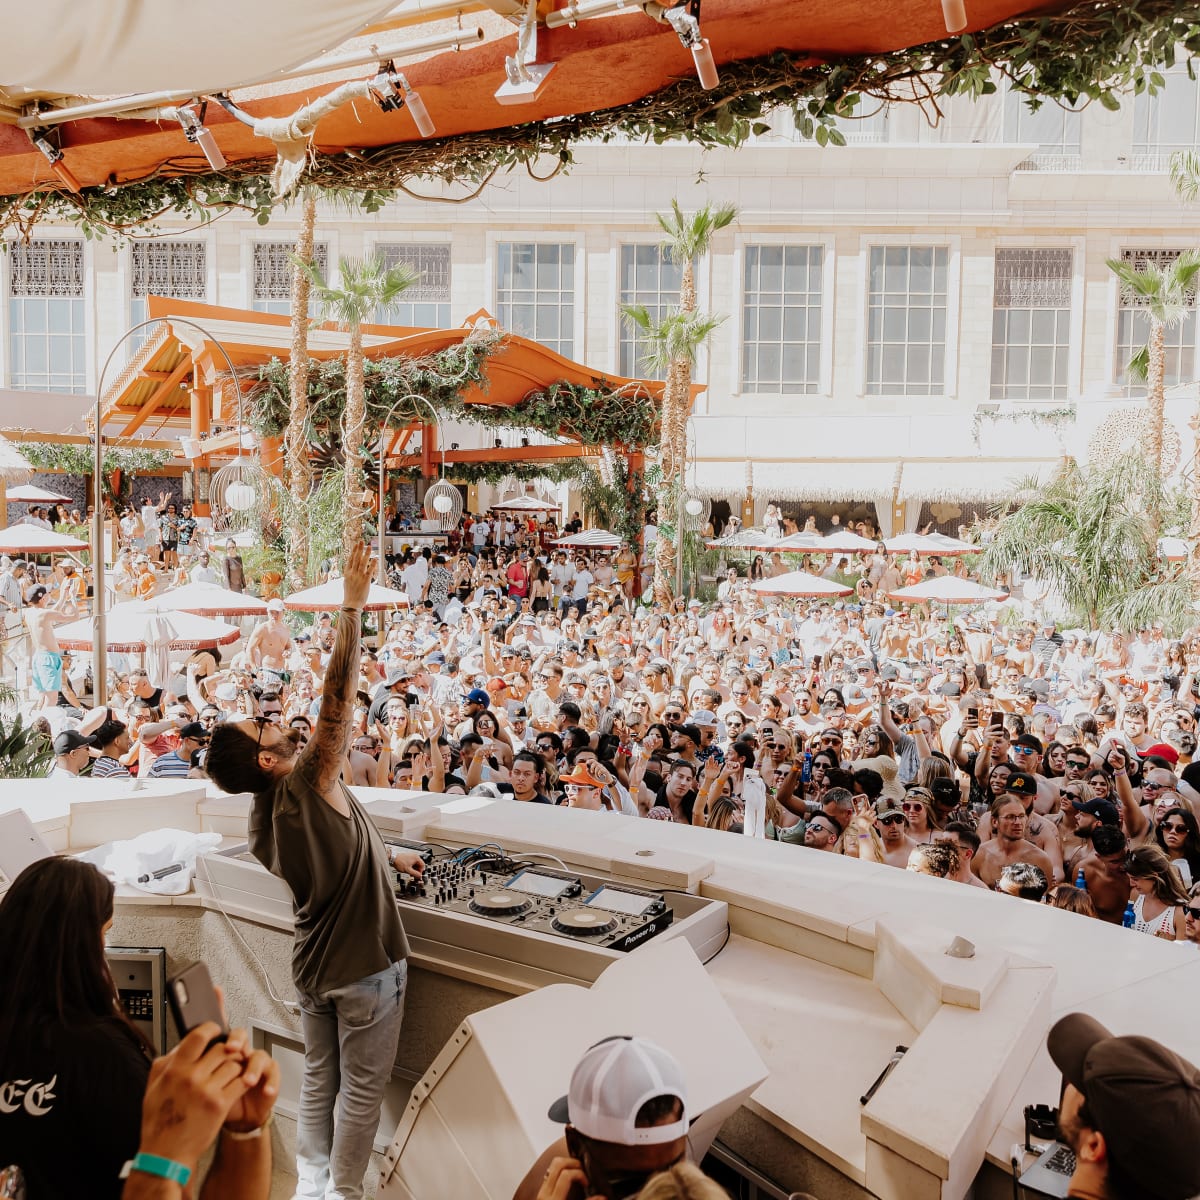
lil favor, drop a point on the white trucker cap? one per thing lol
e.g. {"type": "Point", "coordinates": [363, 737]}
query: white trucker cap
{"type": "Point", "coordinates": [610, 1084]}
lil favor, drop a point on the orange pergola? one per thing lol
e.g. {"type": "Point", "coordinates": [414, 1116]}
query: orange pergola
{"type": "Point", "coordinates": [600, 64]}
{"type": "Point", "coordinates": [179, 380]}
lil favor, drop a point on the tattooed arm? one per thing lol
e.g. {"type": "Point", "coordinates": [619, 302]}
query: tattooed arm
{"type": "Point", "coordinates": [325, 753]}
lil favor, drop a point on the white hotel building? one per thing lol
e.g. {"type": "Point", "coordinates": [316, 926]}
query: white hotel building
{"type": "Point", "coordinates": [913, 320]}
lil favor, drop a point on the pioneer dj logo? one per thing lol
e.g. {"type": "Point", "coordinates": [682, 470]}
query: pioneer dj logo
{"type": "Point", "coordinates": [37, 1099]}
{"type": "Point", "coordinates": [639, 934]}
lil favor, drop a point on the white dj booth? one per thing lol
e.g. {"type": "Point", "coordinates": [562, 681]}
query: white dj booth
{"type": "Point", "coordinates": [784, 980]}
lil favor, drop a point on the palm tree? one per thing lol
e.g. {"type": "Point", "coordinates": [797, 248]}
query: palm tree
{"type": "Point", "coordinates": [1089, 534]}
{"type": "Point", "coordinates": [1167, 294]}
{"type": "Point", "coordinates": [674, 346]}
{"type": "Point", "coordinates": [296, 434]}
{"type": "Point", "coordinates": [1185, 175]}
{"type": "Point", "coordinates": [366, 286]}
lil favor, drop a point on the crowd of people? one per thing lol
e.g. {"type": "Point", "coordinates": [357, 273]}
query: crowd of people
{"type": "Point", "coordinates": [993, 751]}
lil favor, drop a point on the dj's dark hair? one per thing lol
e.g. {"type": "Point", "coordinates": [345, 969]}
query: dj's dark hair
{"type": "Point", "coordinates": [232, 762]}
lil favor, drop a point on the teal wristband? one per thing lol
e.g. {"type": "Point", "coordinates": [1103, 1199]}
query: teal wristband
{"type": "Point", "coordinates": [161, 1168]}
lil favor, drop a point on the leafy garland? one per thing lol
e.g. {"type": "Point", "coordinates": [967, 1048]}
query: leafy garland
{"type": "Point", "coordinates": [1090, 52]}
{"type": "Point", "coordinates": [494, 473]}
{"type": "Point", "coordinates": [595, 415]}
{"type": "Point", "coordinates": [1052, 418]}
{"type": "Point", "coordinates": [75, 459]}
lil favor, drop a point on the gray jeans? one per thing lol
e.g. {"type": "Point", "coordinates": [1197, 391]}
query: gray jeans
{"type": "Point", "coordinates": [350, 1039]}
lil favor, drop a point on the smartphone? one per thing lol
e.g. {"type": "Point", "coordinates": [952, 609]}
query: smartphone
{"type": "Point", "coordinates": [997, 721]}
{"type": "Point", "coordinates": [193, 1000]}
{"type": "Point", "coordinates": [817, 662]}
{"type": "Point", "coordinates": [972, 714]}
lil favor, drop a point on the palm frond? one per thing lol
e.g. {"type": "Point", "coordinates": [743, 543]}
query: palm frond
{"type": "Point", "coordinates": [689, 235]}
{"type": "Point", "coordinates": [677, 337]}
{"type": "Point", "coordinates": [1138, 367]}
{"type": "Point", "coordinates": [1185, 174]}
{"type": "Point", "coordinates": [366, 285]}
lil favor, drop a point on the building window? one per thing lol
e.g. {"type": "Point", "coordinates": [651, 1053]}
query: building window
{"type": "Point", "coordinates": [1167, 122]}
{"type": "Point", "coordinates": [650, 279]}
{"type": "Point", "coordinates": [164, 268]}
{"type": "Point", "coordinates": [906, 320]}
{"type": "Point", "coordinates": [1054, 129]}
{"type": "Point", "coordinates": [273, 276]}
{"type": "Point", "coordinates": [1133, 331]}
{"type": "Point", "coordinates": [781, 319]}
{"type": "Point", "coordinates": [47, 340]}
{"type": "Point", "coordinates": [1031, 325]}
{"type": "Point", "coordinates": [535, 292]}
{"type": "Point", "coordinates": [427, 303]}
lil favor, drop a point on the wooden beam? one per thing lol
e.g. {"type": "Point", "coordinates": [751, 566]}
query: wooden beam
{"type": "Point", "coordinates": [505, 454]}
{"type": "Point", "coordinates": [81, 439]}
{"type": "Point", "coordinates": [161, 392]}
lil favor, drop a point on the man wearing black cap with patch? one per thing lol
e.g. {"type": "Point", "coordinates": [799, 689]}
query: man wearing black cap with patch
{"type": "Point", "coordinates": [1130, 1111]}
{"type": "Point", "coordinates": [70, 754]}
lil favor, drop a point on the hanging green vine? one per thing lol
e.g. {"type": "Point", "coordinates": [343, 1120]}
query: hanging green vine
{"type": "Point", "coordinates": [566, 471]}
{"type": "Point", "coordinates": [1093, 51]}
{"type": "Point", "coordinates": [75, 459]}
{"type": "Point", "coordinates": [595, 416]}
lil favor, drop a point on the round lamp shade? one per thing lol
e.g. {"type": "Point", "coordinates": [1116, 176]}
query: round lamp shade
{"type": "Point", "coordinates": [694, 507]}
{"type": "Point", "coordinates": [444, 504]}
{"type": "Point", "coordinates": [240, 497]}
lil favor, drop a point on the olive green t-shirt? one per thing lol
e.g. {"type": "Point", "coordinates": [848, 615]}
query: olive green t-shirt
{"type": "Point", "coordinates": [338, 870]}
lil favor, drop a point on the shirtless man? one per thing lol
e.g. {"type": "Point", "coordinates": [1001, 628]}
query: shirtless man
{"type": "Point", "coordinates": [1105, 875]}
{"type": "Point", "coordinates": [1023, 787]}
{"type": "Point", "coordinates": [962, 836]}
{"type": "Point", "coordinates": [893, 829]}
{"type": "Point", "coordinates": [45, 657]}
{"type": "Point", "coordinates": [1010, 845]}
{"type": "Point", "coordinates": [271, 641]}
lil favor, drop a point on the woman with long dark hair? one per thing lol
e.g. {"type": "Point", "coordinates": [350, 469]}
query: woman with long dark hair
{"type": "Point", "coordinates": [1178, 836]}
{"type": "Point", "coordinates": [73, 1069]}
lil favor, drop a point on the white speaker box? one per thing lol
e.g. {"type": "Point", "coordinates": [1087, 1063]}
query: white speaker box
{"type": "Point", "coordinates": [476, 1122]}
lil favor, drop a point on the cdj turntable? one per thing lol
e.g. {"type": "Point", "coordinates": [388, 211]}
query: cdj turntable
{"type": "Point", "coordinates": [537, 899]}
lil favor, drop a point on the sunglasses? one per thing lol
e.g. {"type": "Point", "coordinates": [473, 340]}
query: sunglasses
{"type": "Point", "coordinates": [821, 829]}
{"type": "Point", "coordinates": [1173, 827]}
{"type": "Point", "coordinates": [894, 819]}
{"type": "Point", "coordinates": [1024, 750]}
{"type": "Point", "coordinates": [1156, 787]}
{"type": "Point", "coordinates": [912, 806]}
{"type": "Point", "coordinates": [1077, 766]}
{"type": "Point", "coordinates": [1194, 913]}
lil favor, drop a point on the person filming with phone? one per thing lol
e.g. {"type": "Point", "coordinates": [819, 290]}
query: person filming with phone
{"type": "Point", "coordinates": [349, 963]}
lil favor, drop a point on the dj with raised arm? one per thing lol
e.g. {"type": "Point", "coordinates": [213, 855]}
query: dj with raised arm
{"type": "Point", "coordinates": [349, 961]}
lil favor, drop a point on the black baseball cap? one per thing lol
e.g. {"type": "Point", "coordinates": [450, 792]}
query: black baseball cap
{"type": "Point", "coordinates": [195, 731]}
{"type": "Point", "coordinates": [1142, 1097]}
{"type": "Point", "coordinates": [1021, 783]}
{"type": "Point", "coordinates": [69, 740]}
{"type": "Point", "coordinates": [1105, 811]}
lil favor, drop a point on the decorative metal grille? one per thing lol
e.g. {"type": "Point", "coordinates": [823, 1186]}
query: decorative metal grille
{"type": "Point", "coordinates": [50, 267]}
{"type": "Point", "coordinates": [176, 269]}
{"type": "Point", "coordinates": [431, 262]}
{"type": "Point", "coordinates": [1033, 278]}
{"type": "Point", "coordinates": [273, 268]}
{"type": "Point", "coordinates": [1142, 259]}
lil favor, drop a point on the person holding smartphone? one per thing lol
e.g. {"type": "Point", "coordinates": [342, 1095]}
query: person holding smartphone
{"type": "Point", "coordinates": [349, 963]}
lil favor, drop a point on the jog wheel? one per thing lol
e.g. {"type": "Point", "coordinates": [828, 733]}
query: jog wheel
{"type": "Point", "coordinates": [499, 904]}
{"type": "Point", "coordinates": [583, 922]}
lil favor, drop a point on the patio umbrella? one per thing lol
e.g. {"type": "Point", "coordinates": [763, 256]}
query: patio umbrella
{"type": "Point", "coordinates": [757, 539]}
{"type": "Point", "coordinates": [25, 538]}
{"type": "Point", "coordinates": [30, 493]}
{"type": "Point", "coordinates": [525, 504]}
{"type": "Point", "coordinates": [145, 627]}
{"type": "Point", "coordinates": [211, 600]}
{"type": "Point", "coordinates": [906, 543]}
{"type": "Point", "coordinates": [846, 541]}
{"type": "Point", "coordinates": [948, 589]}
{"type": "Point", "coordinates": [1173, 549]}
{"type": "Point", "coordinates": [594, 538]}
{"type": "Point", "coordinates": [951, 545]}
{"type": "Point", "coordinates": [801, 583]}
{"type": "Point", "coordinates": [328, 597]}
{"type": "Point", "coordinates": [13, 466]}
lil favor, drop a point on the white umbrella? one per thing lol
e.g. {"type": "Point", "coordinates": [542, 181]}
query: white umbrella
{"type": "Point", "coordinates": [906, 543]}
{"type": "Point", "coordinates": [801, 583]}
{"type": "Point", "coordinates": [525, 504]}
{"type": "Point", "coordinates": [328, 596]}
{"type": "Point", "coordinates": [952, 546]}
{"type": "Point", "coordinates": [757, 539]}
{"type": "Point", "coordinates": [595, 538]}
{"type": "Point", "coordinates": [846, 541]}
{"type": "Point", "coordinates": [30, 493]}
{"type": "Point", "coordinates": [211, 600]}
{"type": "Point", "coordinates": [25, 538]}
{"type": "Point", "coordinates": [146, 627]}
{"type": "Point", "coordinates": [1173, 549]}
{"type": "Point", "coordinates": [948, 589]}
{"type": "Point", "coordinates": [14, 468]}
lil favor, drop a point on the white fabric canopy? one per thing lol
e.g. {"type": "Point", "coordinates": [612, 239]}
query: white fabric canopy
{"type": "Point", "coordinates": [1172, 548]}
{"type": "Point", "coordinates": [115, 47]}
{"type": "Point", "coordinates": [13, 466]}
{"type": "Point", "coordinates": [846, 542]}
{"type": "Point", "coordinates": [139, 626]}
{"type": "Point", "coordinates": [978, 479]}
{"type": "Point", "coordinates": [595, 538]}
{"type": "Point", "coordinates": [801, 583]}
{"type": "Point", "coordinates": [210, 599]}
{"type": "Point", "coordinates": [906, 543]}
{"type": "Point", "coordinates": [328, 596]}
{"type": "Point", "coordinates": [826, 479]}
{"type": "Point", "coordinates": [30, 493]}
{"type": "Point", "coordinates": [525, 504]}
{"type": "Point", "coordinates": [948, 589]}
{"type": "Point", "coordinates": [25, 538]}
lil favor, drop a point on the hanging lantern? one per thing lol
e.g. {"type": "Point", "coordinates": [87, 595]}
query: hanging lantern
{"type": "Point", "coordinates": [443, 503]}
{"type": "Point", "coordinates": [240, 497]}
{"type": "Point", "coordinates": [694, 507]}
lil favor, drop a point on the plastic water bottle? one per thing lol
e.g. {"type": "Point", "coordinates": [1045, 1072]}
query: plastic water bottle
{"type": "Point", "coordinates": [1080, 881]}
{"type": "Point", "coordinates": [1128, 919]}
